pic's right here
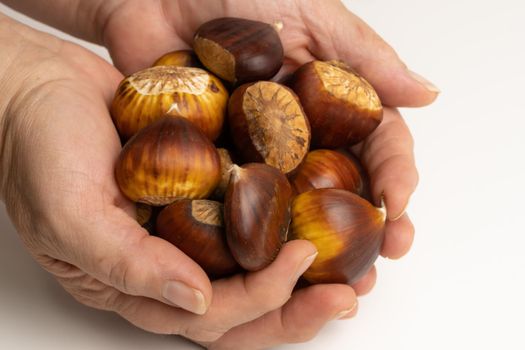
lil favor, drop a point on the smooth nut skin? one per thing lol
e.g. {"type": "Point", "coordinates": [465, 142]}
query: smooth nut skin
{"type": "Point", "coordinates": [347, 230]}
{"type": "Point", "coordinates": [162, 91]}
{"type": "Point", "coordinates": [268, 124]}
{"type": "Point", "coordinates": [324, 168]}
{"type": "Point", "coordinates": [179, 58]}
{"type": "Point", "coordinates": [239, 50]}
{"type": "Point", "coordinates": [196, 227]}
{"type": "Point", "coordinates": [342, 107]}
{"type": "Point", "coordinates": [257, 214]}
{"type": "Point", "coordinates": [167, 160]}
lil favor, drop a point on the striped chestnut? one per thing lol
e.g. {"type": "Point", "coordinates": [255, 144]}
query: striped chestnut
{"type": "Point", "coordinates": [167, 160]}
{"type": "Point", "coordinates": [347, 230]}
{"type": "Point", "coordinates": [239, 50]}
{"type": "Point", "coordinates": [161, 91]}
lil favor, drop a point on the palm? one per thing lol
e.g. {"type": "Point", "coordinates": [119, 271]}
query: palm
{"type": "Point", "coordinates": [169, 25]}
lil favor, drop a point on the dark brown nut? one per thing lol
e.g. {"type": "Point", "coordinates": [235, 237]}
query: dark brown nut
{"type": "Point", "coordinates": [342, 107]}
{"type": "Point", "coordinates": [239, 50]}
{"type": "Point", "coordinates": [196, 227]}
{"type": "Point", "coordinates": [226, 168]}
{"type": "Point", "coordinates": [267, 124]}
{"type": "Point", "coordinates": [324, 168]}
{"type": "Point", "coordinates": [257, 214]}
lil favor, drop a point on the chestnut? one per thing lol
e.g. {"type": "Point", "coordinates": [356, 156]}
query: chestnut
{"type": "Point", "coordinates": [342, 107]}
{"type": "Point", "coordinates": [325, 168]}
{"type": "Point", "coordinates": [169, 159]}
{"type": "Point", "coordinates": [347, 230]}
{"type": "Point", "coordinates": [155, 92]}
{"type": "Point", "coordinates": [268, 124]}
{"type": "Point", "coordinates": [239, 50]}
{"type": "Point", "coordinates": [196, 227]}
{"type": "Point", "coordinates": [144, 213]}
{"type": "Point", "coordinates": [256, 214]}
{"type": "Point", "coordinates": [179, 58]}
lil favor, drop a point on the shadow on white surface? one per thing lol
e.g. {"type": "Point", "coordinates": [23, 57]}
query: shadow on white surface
{"type": "Point", "coordinates": [42, 314]}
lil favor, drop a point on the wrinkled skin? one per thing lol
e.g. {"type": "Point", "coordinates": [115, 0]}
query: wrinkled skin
{"type": "Point", "coordinates": [59, 149]}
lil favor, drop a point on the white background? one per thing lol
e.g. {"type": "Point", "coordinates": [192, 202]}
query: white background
{"type": "Point", "coordinates": [463, 284]}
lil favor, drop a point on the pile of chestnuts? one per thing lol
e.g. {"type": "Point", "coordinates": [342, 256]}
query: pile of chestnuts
{"type": "Point", "coordinates": [228, 165]}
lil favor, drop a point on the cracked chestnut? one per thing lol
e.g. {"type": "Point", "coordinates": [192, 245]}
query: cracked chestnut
{"type": "Point", "coordinates": [257, 214]}
{"type": "Point", "coordinates": [161, 91]}
{"type": "Point", "coordinates": [342, 107]}
{"type": "Point", "coordinates": [239, 50]}
{"type": "Point", "coordinates": [268, 124]}
{"type": "Point", "coordinates": [347, 230]}
{"type": "Point", "coordinates": [167, 160]}
{"type": "Point", "coordinates": [196, 227]}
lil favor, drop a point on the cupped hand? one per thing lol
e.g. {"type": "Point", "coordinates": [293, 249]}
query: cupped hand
{"type": "Point", "coordinates": [59, 147]}
{"type": "Point", "coordinates": [138, 32]}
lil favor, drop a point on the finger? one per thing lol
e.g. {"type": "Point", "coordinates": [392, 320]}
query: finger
{"type": "Point", "coordinates": [388, 157]}
{"type": "Point", "coordinates": [237, 300]}
{"type": "Point", "coordinates": [399, 236]}
{"type": "Point", "coordinates": [366, 283]}
{"type": "Point", "coordinates": [297, 321]}
{"type": "Point", "coordinates": [118, 252]}
{"type": "Point", "coordinates": [348, 38]}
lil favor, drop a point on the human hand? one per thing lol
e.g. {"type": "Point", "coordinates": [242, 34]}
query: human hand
{"type": "Point", "coordinates": [138, 32]}
{"type": "Point", "coordinates": [59, 147]}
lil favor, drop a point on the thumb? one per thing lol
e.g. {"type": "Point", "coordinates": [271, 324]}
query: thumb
{"type": "Point", "coordinates": [123, 255]}
{"type": "Point", "coordinates": [347, 37]}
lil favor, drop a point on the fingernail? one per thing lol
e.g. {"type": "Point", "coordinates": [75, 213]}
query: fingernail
{"type": "Point", "coordinates": [185, 297]}
{"type": "Point", "coordinates": [423, 81]}
{"type": "Point", "coordinates": [304, 266]}
{"type": "Point", "coordinates": [345, 312]}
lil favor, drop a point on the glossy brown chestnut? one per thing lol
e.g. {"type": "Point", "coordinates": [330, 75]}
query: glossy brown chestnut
{"type": "Point", "coordinates": [268, 124]}
{"type": "Point", "coordinates": [239, 50]}
{"type": "Point", "coordinates": [155, 92]}
{"type": "Point", "coordinates": [347, 230]}
{"type": "Point", "coordinates": [179, 58]}
{"type": "Point", "coordinates": [167, 160]}
{"type": "Point", "coordinates": [342, 107]}
{"type": "Point", "coordinates": [196, 227]}
{"type": "Point", "coordinates": [324, 168]}
{"type": "Point", "coordinates": [257, 214]}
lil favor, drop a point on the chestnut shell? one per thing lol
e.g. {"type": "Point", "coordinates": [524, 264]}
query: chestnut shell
{"type": "Point", "coordinates": [347, 230]}
{"type": "Point", "coordinates": [268, 124]}
{"type": "Point", "coordinates": [167, 160]}
{"type": "Point", "coordinates": [162, 91]}
{"type": "Point", "coordinates": [196, 227]}
{"type": "Point", "coordinates": [325, 168]}
{"type": "Point", "coordinates": [343, 108]}
{"type": "Point", "coordinates": [179, 58]}
{"type": "Point", "coordinates": [239, 50]}
{"type": "Point", "coordinates": [257, 214]}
